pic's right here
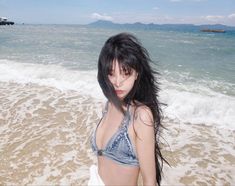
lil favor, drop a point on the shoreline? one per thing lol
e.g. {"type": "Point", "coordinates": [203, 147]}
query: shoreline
{"type": "Point", "coordinates": [45, 139]}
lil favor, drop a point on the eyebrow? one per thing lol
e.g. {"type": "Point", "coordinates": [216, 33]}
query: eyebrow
{"type": "Point", "coordinates": [123, 68]}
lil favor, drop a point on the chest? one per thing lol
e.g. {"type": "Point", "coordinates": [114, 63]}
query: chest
{"type": "Point", "coordinates": [109, 127]}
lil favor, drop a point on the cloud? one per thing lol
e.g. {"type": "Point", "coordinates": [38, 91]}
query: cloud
{"type": "Point", "coordinates": [214, 18]}
{"type": "Point", "coordinates": [156, 8]}
{"type": "Point", "coordinates": [231, 16]}
{"type": "Point", "coordinates": [101, 17]}
{"type": "Point", "coordinates": [218, 19]}
{"type": "Point", "coordinates": [151, 17]}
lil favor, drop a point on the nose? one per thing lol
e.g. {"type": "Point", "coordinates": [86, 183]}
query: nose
{"type": "Point", "coordinates": [117, 80]}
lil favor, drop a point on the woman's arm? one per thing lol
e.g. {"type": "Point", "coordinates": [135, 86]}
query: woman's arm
{"type": "Point", "coordinates": [145, 144]}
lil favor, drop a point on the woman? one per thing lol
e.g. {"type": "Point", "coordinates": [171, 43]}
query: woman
{"type": "Point", "coordinates": [126, 138]}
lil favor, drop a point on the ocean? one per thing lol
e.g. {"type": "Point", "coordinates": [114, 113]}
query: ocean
{"type": "Point", "coordinates": [50, 101]}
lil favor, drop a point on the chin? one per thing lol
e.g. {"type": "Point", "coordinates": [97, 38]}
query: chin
{"type": "Point", "coordinates": [121, 97]}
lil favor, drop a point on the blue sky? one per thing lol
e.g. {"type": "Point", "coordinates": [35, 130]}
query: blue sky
{"type": "Point", "coordinates": [119, 11]}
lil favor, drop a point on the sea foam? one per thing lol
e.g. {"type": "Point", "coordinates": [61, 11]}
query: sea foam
{"type": "Point", "coordinates": [189, 103]}
{"type": "Point", "coordinates": [85, 82]}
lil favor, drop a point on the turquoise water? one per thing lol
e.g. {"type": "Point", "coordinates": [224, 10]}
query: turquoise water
{"type": "Point", "coordinates": [198, 69]}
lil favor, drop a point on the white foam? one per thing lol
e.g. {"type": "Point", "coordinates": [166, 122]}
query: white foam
{"type": "Point", "coordinates": [192, 107]}
{"type": "Point", "coordinates": [85, 82]}
{"type": "Point", "coordinates": [191, 102]}
{"type": "Point", "coordinates": [210, 145]}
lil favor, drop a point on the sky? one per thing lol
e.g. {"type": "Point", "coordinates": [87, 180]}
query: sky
{"type": "Point", "coordinates": [119, 11]}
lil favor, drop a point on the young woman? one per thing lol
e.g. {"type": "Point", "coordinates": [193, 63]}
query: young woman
{"type": "Point", "coordinates": [126, 138]}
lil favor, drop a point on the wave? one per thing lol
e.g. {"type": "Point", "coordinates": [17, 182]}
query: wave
{"type": "Point", "coordinates": [190, 102]}
{"type": "Point", "coordinates": [188, 107]}
{"type": "Point", "coordinates": [84, 82]}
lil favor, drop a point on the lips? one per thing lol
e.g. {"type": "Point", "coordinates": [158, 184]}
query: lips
{"type": "Point", "coordinates": [119, 91]}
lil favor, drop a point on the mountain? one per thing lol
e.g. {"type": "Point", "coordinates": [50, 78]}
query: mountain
{"type": "Point", "coordinates": [152, 26]}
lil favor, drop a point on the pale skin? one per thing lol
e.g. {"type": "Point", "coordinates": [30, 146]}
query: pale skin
{"type": "Point", "coordinates": [111, 172]}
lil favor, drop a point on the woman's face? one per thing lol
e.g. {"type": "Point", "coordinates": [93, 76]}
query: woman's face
{"type": "Point", "coordinates": [122, 81]}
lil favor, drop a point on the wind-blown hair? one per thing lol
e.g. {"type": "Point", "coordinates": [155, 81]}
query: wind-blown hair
{"type": "Point", "coordinates": [130, 54]}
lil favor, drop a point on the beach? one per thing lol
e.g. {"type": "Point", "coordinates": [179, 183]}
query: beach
{"type": "Point", "coordinates": [50, 142]}
{"type": "Point", "coordinates": [50, 103]}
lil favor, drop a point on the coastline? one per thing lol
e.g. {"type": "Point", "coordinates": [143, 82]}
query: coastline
{"type": "Point", "coordinates": [45, 139]}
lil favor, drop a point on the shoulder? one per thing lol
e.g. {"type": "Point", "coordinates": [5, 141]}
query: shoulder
{"type": "Point", "coordinates": [143, 121]}
{"type": "Point", "coordinates": [143, 124]}
{"type": "Point", "coordinates": [143, 114]}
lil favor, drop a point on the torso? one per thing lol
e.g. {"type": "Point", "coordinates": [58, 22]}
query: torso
{"type": "Point", "coordinates": [115, 174]}
{"type": "Point", "coordinates": [110, 171]}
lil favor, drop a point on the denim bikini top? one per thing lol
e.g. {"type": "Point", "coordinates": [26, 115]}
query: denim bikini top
{"type": "Point", "coordinates": [119, 148]}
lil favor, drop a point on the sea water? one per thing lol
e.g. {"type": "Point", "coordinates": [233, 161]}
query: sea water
{"type": "Point", "coordinates": [50, 101]}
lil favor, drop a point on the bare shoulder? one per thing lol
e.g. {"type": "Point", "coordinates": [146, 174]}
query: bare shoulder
{"type": "Point", "coordinates": [143, 114]}
{"type": "Point", "coordinates": [143, 122]}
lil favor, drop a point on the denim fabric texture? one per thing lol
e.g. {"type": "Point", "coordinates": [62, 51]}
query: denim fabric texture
{"type": "Point", "coordinates": [119, 148]}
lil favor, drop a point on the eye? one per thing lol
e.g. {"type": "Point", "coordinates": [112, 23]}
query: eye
{"type": "Point", "coordinates": [126, 74]}
{"type": "Point", "coordinates": [126, 71]}
{"type": "Point", "coordinates": [110, 73]}
{"type": "Point", "coordinates": [129, 72]}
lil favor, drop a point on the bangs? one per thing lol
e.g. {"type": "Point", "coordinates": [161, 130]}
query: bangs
{"type": "Point", "coordinates": [126, 66]}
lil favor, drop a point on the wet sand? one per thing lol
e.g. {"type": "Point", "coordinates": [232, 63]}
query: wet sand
{"type": "Point", "coordinates": [199, 155]}
{"type": "Point", "coordinates": [45, 140]}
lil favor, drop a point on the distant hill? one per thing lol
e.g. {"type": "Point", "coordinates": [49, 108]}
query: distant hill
{"type": "Point", "coordinates": [152, 26]}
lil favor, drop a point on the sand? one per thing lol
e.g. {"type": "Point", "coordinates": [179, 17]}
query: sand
{"type": "Point", "coordinates": [45, 139]}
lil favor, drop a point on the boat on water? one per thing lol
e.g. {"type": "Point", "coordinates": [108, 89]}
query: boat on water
{"type": "Point", "coordinates": [213, 30]}
{"type": "Point", "coordinates": [3, 21]}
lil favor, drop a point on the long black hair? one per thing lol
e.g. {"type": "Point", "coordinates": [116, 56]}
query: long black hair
{"type": "Point", "coordinates": [130, 54]}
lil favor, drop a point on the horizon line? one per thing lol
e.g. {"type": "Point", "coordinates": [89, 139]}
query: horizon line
{"type": "Point", "coordinates": [85, 24]}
